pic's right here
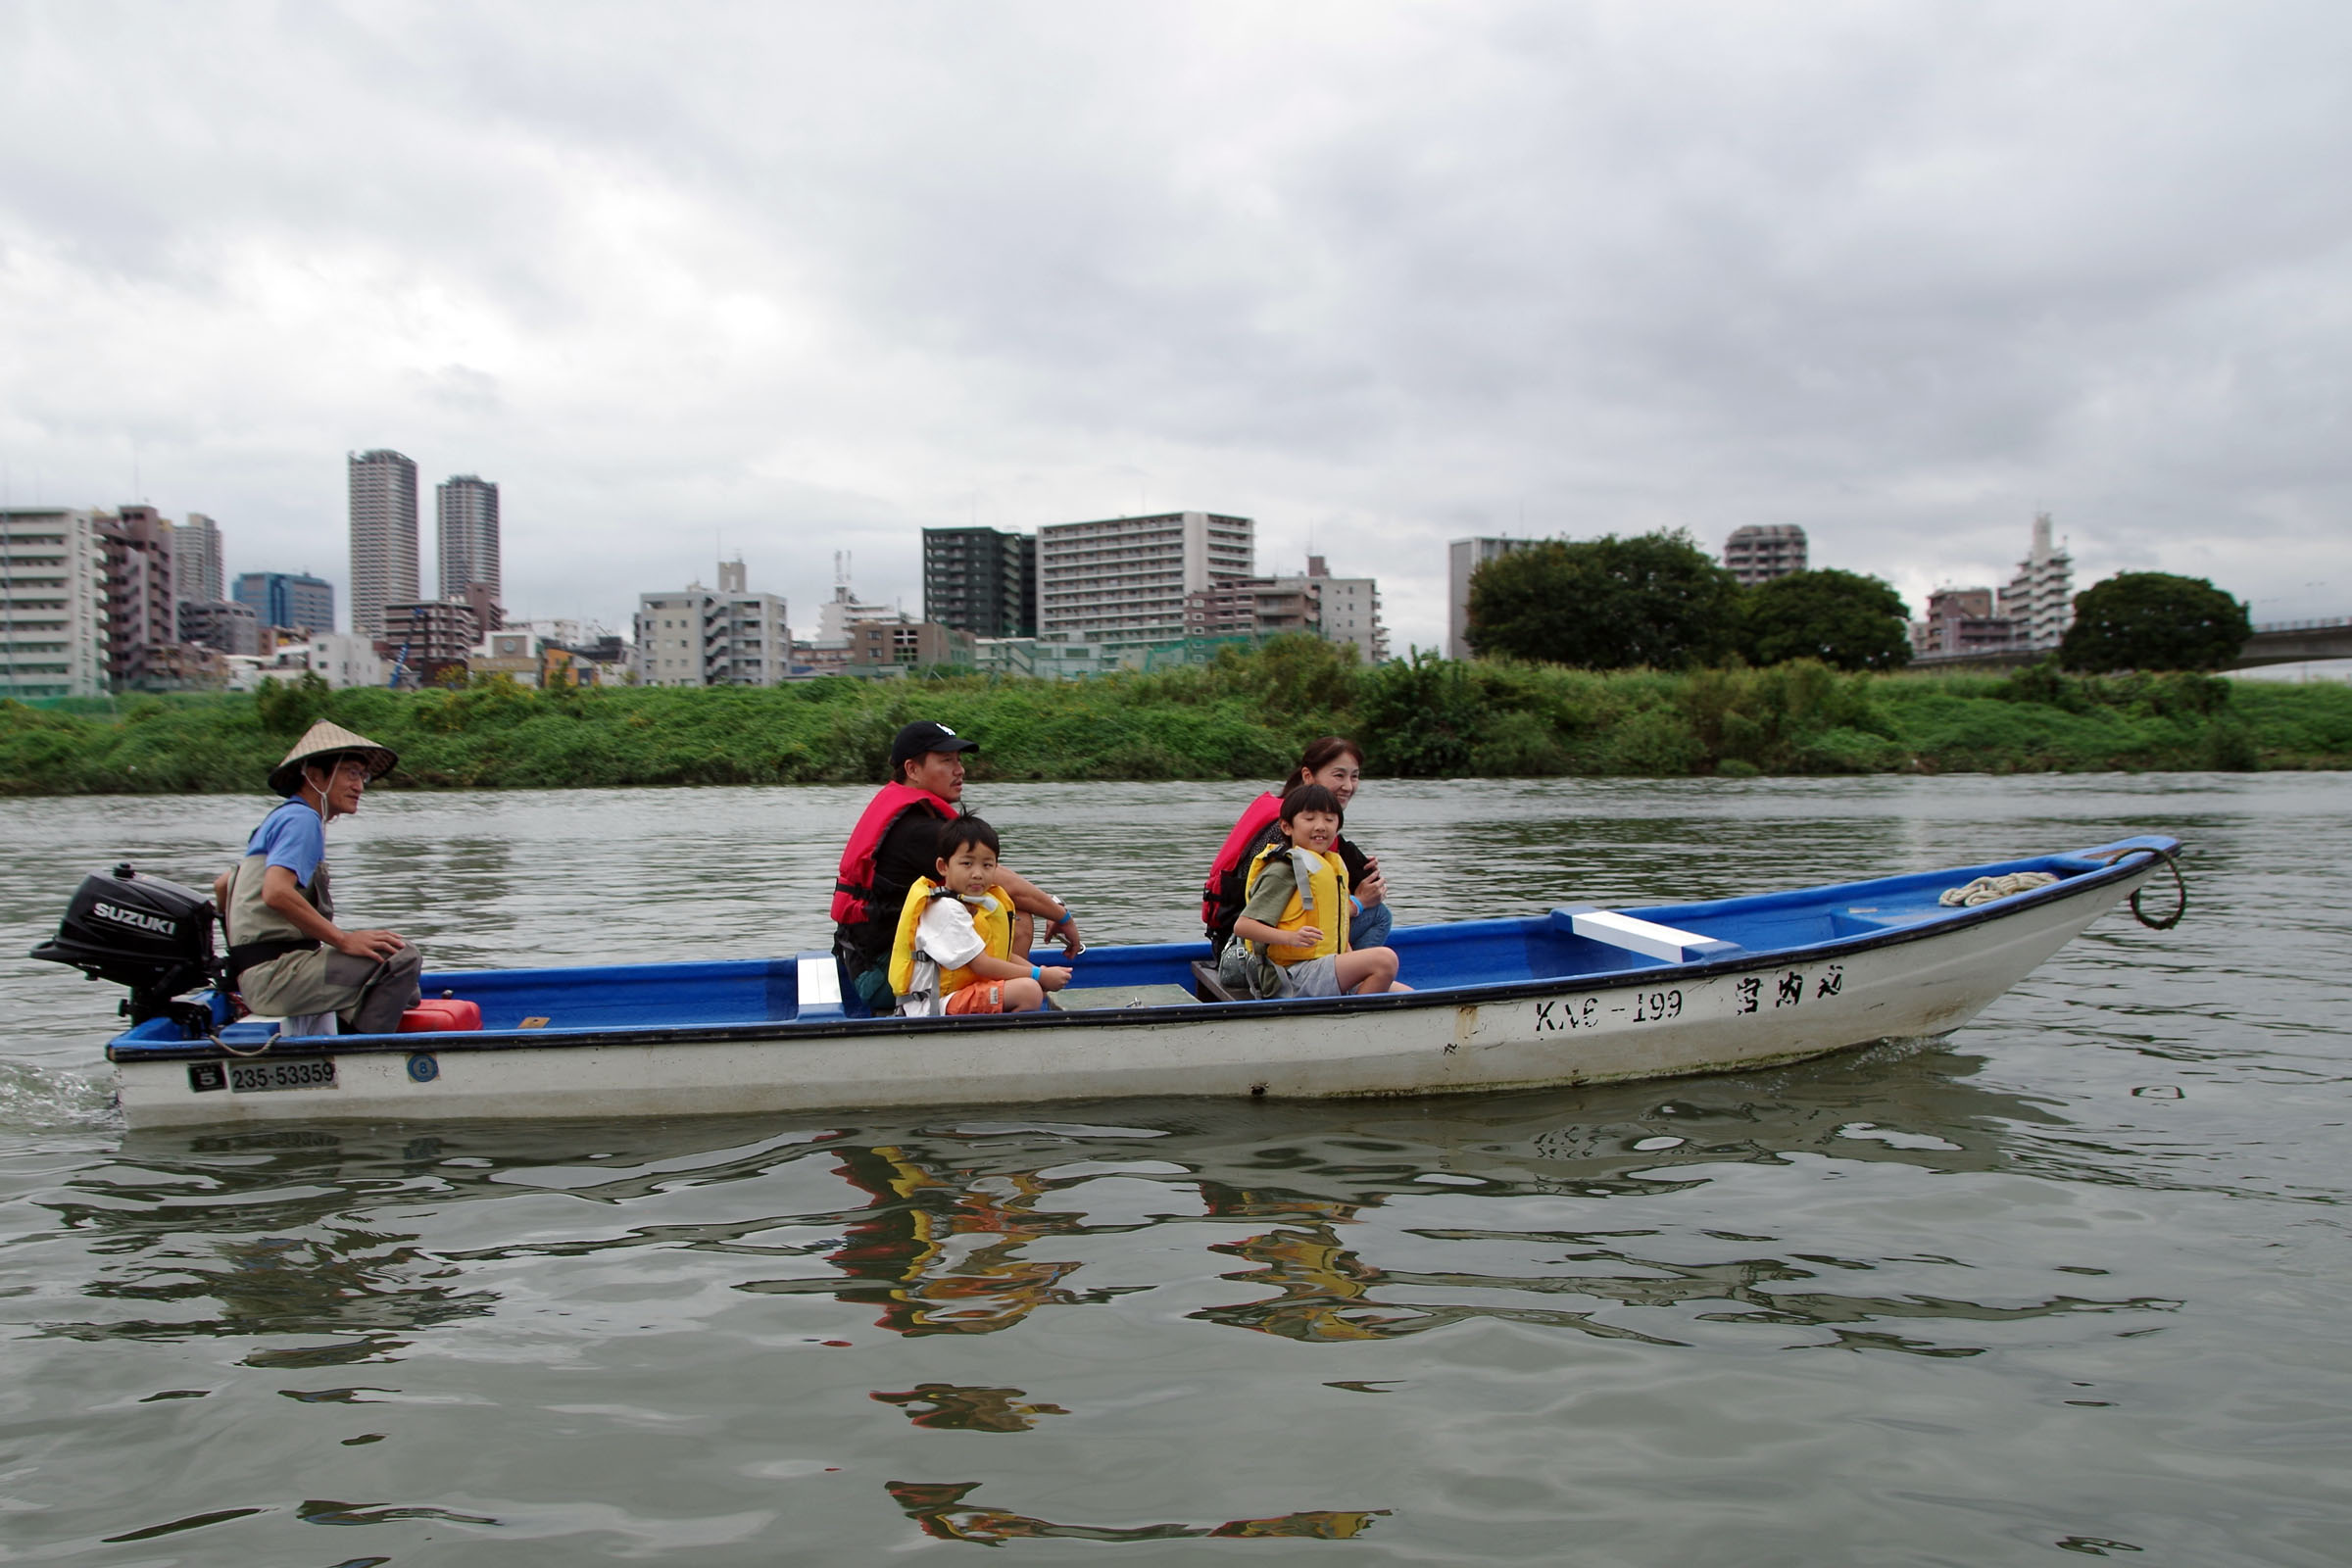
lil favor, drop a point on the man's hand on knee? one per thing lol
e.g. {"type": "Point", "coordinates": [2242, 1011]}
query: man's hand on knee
{"type": "Point", "coordinates": [376, 945]}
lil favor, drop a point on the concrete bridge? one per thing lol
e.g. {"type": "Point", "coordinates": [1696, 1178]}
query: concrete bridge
{"type": "Point", "coordinates": [2290, 642]}
{"type": "Point", "coordinates": [2278, 642]}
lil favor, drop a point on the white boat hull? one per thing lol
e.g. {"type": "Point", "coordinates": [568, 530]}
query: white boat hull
{"type": "Point", "coordinates": [1660, 1022]}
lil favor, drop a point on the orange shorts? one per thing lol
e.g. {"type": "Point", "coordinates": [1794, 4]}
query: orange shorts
{"type": "Point", "coordinates": [981, 996]}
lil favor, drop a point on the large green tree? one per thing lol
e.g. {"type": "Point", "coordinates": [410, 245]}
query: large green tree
{"type": "Point", "coordinates": [2154, 620]}
{"type": "Point", "coordinates": [1605, 603]}
{"type": "Point", "coordinates": [1846, 621]}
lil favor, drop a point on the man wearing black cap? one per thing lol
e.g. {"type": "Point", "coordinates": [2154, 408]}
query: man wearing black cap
{"type": "Point", "coordinates": [897, 841]}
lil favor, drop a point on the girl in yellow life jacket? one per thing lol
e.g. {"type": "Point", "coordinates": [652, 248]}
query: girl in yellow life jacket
{"type": "Point", "coordinates": [952, 950]}
{"type": "Point", "coordinates": [1297, 912]}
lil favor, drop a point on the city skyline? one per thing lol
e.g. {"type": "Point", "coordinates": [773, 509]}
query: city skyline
{"type": "Point", "coordinates": [1378, 282]}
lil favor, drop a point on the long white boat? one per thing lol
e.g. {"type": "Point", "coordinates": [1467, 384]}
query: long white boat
{"type": "Point", "coordinates": [1572, 995]}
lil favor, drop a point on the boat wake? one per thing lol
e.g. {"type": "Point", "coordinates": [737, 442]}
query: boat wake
{"type": "Point", "coordinates": [37, 1099]}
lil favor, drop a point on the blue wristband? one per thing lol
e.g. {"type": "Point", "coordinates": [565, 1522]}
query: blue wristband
{"type": "Point", "coordinates": [1036, 973]}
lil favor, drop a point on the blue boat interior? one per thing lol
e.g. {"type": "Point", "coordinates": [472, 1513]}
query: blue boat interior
{"type": "Point", "coordinates": [807, 988]}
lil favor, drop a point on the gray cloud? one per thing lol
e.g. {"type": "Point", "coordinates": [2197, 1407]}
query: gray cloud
{"type": "Point", "coordinates": [807, 279]}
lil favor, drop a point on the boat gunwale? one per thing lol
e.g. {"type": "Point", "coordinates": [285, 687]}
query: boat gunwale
{"type": "Point", "coordinates": [2126, 858]}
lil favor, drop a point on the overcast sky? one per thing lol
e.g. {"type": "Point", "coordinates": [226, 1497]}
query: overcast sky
{"type": "Point", "coordinates": [781, 280]}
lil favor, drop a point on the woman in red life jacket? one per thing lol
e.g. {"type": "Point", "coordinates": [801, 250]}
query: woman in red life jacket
{"type": "Point", "coordinates": [1337, 764]}
{"type": "Point", "coordinates": [895, 842]}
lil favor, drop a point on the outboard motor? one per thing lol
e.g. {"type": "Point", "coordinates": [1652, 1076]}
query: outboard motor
{"type": "Point", "coordinates": [153, 936]}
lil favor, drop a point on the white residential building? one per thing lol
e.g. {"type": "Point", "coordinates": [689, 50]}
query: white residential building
{"type": "Point", "coordinates": [53, 604]}
{"type": "Point", "coordinates": [2040, 598]}
{"type": "Point", "coordinates": [1350, 611]}
{"type": "Point", "coordinates": [755, 643]}
{"type": "Point", "coordinates": [1124, 579]}
{"type": "Point", "coordinates": [339, 659]}
{"type": "Point", "coordinates": [698, 636]}
{"type": "Point", "coordinates": [837, 614]}
{"type": "Point", "coordinates": [673, 635]}
{"type": "Point", "coordinates": [342, 658]}
{"type": "Point", "coordinates": [1462, 558]}
{"type": "Point", "coordinates": [1761, 552]}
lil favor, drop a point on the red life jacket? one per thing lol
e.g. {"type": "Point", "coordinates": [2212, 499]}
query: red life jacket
{"type": "Point", "coordinates": [854, 885]}
{"type": "Point", "coordinates": [1226, 891]}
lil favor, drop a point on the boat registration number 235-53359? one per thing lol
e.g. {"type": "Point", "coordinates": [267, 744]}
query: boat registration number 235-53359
{"type": "Point", "coordinates": [254, 1077]}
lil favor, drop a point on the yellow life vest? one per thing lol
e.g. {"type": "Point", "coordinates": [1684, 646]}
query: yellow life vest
{"type": "Point", "coordinates": [1321, 900]}
{"type": "Point", "coordinates": [991, 917]}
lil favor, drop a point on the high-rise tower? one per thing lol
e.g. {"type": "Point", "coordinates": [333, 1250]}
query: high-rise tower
{"type": "Point", "coordinates": [981, 581]}
{"type": "Point", "coordinates": [466, 510]}
{"type": "Point", "coordinates": [383, 537]}
{"type": "Point", "coordinates": [196, 572]}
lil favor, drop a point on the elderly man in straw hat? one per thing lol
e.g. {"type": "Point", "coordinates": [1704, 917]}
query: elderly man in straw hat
{"type": "Point", "coordinates": [286, 956]}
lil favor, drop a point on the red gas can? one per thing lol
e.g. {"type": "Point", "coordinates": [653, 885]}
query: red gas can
{"type": "Point", "coordinates": [440, 1012]}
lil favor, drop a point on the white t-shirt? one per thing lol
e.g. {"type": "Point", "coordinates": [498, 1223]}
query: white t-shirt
{"type": "Point", "coordinates": [945, 938]}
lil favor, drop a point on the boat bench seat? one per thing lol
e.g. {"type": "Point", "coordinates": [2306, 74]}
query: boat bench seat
{"type": "Point", "coordinates": [1208, 987]}
{"type": "Point", "coordinates": [1644, 937]}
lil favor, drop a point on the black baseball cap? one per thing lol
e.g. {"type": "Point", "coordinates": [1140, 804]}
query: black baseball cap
{"type": "Point", "coordinates": [915, 740]}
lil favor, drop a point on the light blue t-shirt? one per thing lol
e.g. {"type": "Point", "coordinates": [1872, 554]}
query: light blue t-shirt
{"type": "Point", "coordinates": [292, 836]}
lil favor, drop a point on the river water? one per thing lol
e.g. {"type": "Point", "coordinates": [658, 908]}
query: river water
{"type": "Point", "coordinates": [2068, 1282]}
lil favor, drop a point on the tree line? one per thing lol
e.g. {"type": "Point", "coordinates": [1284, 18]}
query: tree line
{"type": "Point", "coordinates": [1245, 716]}
{"type": "Point", "coordinates": [1656, 601]}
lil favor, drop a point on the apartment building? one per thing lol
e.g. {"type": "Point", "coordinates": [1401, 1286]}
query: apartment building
{"type": "Point", "coordinates": [2040, 598]}
{"type": "Point", "coordinates": [142, 607]}
{"type": "Point", "coordinates": [1253, 606]}
{"type": "Point", "coordinates": [1124, 579]}
{"type": "Point", "coordinates": [981, 581]}
{"type": "Point", "coordinates": [879, 644]}
{"type": "Point", "coordinates": [221, 624]}
{"type": "Point", "coordinates": [1962, 622]}
{"type": "Point", "coordinates": [1350, 610]}
{"type": "Point", "coordinates": [1340, 610]}
{"type": "Point", "coordinates": [53, 604]}
{"type": "Point", "coordinates": [755, 642]}
{"type": "Point", "coordinates": [1762, 552]}
{"type": "Point", "coordinates": [421, 631]}
{"type": "Point", "coordinates": [1463, 558]}
{"type": "Point", "coordinates": [698, 636]}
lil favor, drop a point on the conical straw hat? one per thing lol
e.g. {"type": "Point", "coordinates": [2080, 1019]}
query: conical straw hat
{"type": "Point", "coordinates": [321, 739]}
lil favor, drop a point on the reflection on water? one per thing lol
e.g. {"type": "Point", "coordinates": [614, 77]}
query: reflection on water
{"type": "Point", "coordinates": [936, 1508]}
{"type": "Point", "coordinates": [2080, 1253]}
{"type": "Point", "coordinates": [1349, 1223]}
{"type": "Point", "coordinates": [949, 1408]}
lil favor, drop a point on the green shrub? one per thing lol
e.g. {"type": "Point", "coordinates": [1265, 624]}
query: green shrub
{"type": "Point", "coordinates": [1244, 716]}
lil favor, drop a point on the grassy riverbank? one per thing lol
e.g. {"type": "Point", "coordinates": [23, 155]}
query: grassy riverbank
{"type": "Point", "coordinates": [1243, 717]}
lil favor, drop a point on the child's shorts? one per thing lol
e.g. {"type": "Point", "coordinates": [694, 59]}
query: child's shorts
{"type": "Point", "coordinates": [1310, 977]}
{"type": "Point", "coordinates": [981, 996]}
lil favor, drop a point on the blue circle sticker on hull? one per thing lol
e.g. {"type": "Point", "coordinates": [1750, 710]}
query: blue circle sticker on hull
{"type": "Point", "coordinates": [424, 1068]}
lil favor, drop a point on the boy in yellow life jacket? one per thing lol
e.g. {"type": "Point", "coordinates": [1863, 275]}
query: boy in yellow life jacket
{"type": "Point", "coordinates": [1296, 915]}
{"type": "Point", "coordinates": [953, 952]}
